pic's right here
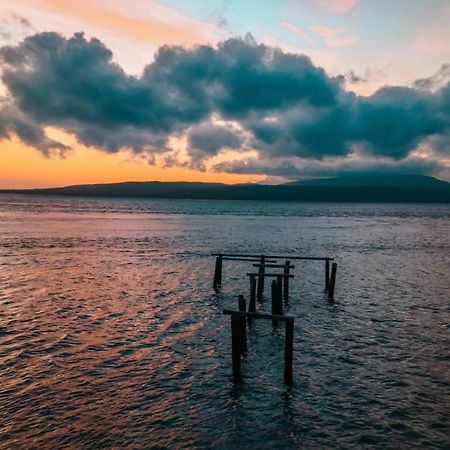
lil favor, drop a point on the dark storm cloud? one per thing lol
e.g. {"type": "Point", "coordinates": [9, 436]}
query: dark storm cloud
{"type": "Point", "coordinates": [305, 131]}
{"type": "Point", "coordinates": [394, 120]}
{"type": "Point", "coordinates": [320, 168]}
{"type": "Point", "coordinates": [74, 84]}
{"type": "Point", "coordinates": [207, 140]}
{"type": "Point", "coordinates": [280, 103]}
{"type": "Point", "coordinates": [13, 121]}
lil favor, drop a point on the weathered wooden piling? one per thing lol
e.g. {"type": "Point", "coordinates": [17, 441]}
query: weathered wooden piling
{"type": "Point", "coordinates": [252, 302]}
{"type": "Point", "coordinates": [217, 283]}
{"type": "Point", "coordinates": [332, 281]}
{"type": "Point", "coordinates": [287, 266]}
{"type": "Point", "coordinates": [288, 350]}
{"type": "Point", "coordinates": [277, 304]}
{"type": "Point", "coordinates": [280, 279]}
{"type": "Point", "coordinates": [261, 272]}
{"type": "Point", "coordinates": [274, 295]}
{"type": "Point", "coordinates": [327, 275]}
{"type": "Point", "coordinates": [288, 344]}
{"type": "Point", "coordinates": [243, 325]}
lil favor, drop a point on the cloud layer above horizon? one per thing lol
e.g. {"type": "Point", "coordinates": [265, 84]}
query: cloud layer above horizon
{"type": "Point", "coordinates": [280, 114]}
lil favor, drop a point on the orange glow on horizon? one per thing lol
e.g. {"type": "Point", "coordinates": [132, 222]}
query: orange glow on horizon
{"type": "Point", "coordinates": [24, 167]}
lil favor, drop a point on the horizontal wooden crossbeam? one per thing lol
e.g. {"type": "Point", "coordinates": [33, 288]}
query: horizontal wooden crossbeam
{"type": "Point", "coordinates": [311, 258]}
{"type": "Point", "coordinates": [259, 315]}
{"type": "Point", "coordinates": [274, 266]}
{"type": "Point", "coordinates": [271, 275]}
{"type": "Point", "coordinates": [244, 259]}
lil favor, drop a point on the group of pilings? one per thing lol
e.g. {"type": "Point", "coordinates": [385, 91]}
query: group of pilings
{"type": "Point", "coordinates": [263, 262]}
{"type": "Point", "coordinates": [279, 294]}
{"type": "Point", "coordinates": [239, 321]}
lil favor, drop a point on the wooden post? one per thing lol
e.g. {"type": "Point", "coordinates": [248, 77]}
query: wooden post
{"type": "Point", "coordinates": [274, 301]}
{"type": "Point", "coordinates": [236, 337]}
{"type": "Point", "coordinates": [327, 275]}
{"type": "Point", "coordinates": [243, 325]}
{"type": "Point", "coordinates": [287, 266]}
{"type": "Point", "coordinates": [263, 262]}
{"type": "Point", "coordinates": [218, 273]}
{"type": "Point", "coordinates": [280, 294]}
{"type": "Point", "coordinates": [252, 303]}
{"type": "Point", "coordinates": [332, 281]}
{"type": "Point", "coordinates": [277, 306]}
{"type": "Point", "coordinates": [288, 350]}
{"type": "Point", "coordinates": [261, 278]}
{"type": "Point", "coordinates": [236, 346]}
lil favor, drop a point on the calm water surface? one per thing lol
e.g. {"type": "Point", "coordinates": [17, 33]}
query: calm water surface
{"type": "Point", "coordinates": [111, 336]}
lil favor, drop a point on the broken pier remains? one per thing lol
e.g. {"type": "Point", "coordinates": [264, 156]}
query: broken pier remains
{"type": "Point", "coordinates": [279, 296]}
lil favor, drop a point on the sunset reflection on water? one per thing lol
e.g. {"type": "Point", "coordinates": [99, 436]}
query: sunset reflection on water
{"type": "Point", "coordinates": [111, 336]}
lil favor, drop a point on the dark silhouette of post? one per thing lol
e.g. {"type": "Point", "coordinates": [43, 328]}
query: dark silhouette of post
{"type": "Point", "coordinates": [217, 283]}
{"type": "Point", "coordinates": [277, 305]}
{"type": "Point", "coordinates": [288, 350]}
{"type": "Point", "coordinates": [327, 275]}
{"type": "Point", "coordinates": [332, 281]}
{"type": "Point", "coordinates": [280, 292]}
{"type": "Point", "coordinates": [274, 301]}
{"type": "Point", "coordinates": [243, 325]}
{"type": "Point", "coordinates": [252, 303]}
{"type": "Point", "coordinates": [236, 344]}
{"type": "Point", "coordinates": [261, 278]}
{"type": "Point", "coordinates": [287, 267]}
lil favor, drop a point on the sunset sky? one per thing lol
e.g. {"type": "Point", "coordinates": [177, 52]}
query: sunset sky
{"type": "Point", "coordinates": [222, 90]}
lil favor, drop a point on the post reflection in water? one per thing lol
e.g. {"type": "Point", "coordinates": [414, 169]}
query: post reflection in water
{"type": "Point", "coordinates": [111, 335]}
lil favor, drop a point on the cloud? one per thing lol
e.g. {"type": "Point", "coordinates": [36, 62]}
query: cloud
{"type": "Point", "coordinates": [23, 21]}
{"type": "Point", "coordinates": [14, 25]}
{"type": "Point", "coordinates": [206, 140]}
{"type": "Point", "coordinates": [439, 79]}
{"type": "Point", "coordinates": [332, 167]}
{"type": "Point", "coordinates": [148, 21]}
{"type": "Point", "coordinates": [298, 31]}
{"type": "Point", "coordinates": [334, 7]}
{"type": "Point", "coordinates": [239, 95]}
{"type": "Point", "coordinates": [14, 121]}
{"type": "Point", "coordinates": [333, 37]}
{"type": "Point", "coordinates": [73, 83]}
{"type": "Point", "coordinates": [353, 78]}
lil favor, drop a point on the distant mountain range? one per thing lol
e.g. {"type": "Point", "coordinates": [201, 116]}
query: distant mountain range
{"type": "Point", "coordinates": [402, 181]}
{"type": "Point", "coordinates": [384, 188]}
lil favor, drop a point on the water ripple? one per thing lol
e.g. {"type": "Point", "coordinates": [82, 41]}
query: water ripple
{"type": "Point", "coordinates": [110, 335]}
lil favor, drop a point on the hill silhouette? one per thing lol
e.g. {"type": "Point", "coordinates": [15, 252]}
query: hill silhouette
{"type": "Point", "coordinates": [402, 181]}
{"type": "Point", "coordinates": [410, 189]}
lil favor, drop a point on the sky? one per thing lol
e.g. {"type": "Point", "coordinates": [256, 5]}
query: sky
{"type": "Point", "coordinates": [229, 91]}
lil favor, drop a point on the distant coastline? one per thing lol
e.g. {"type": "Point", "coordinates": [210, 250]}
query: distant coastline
{"type": "Point", "coordinates": [413, 190]}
